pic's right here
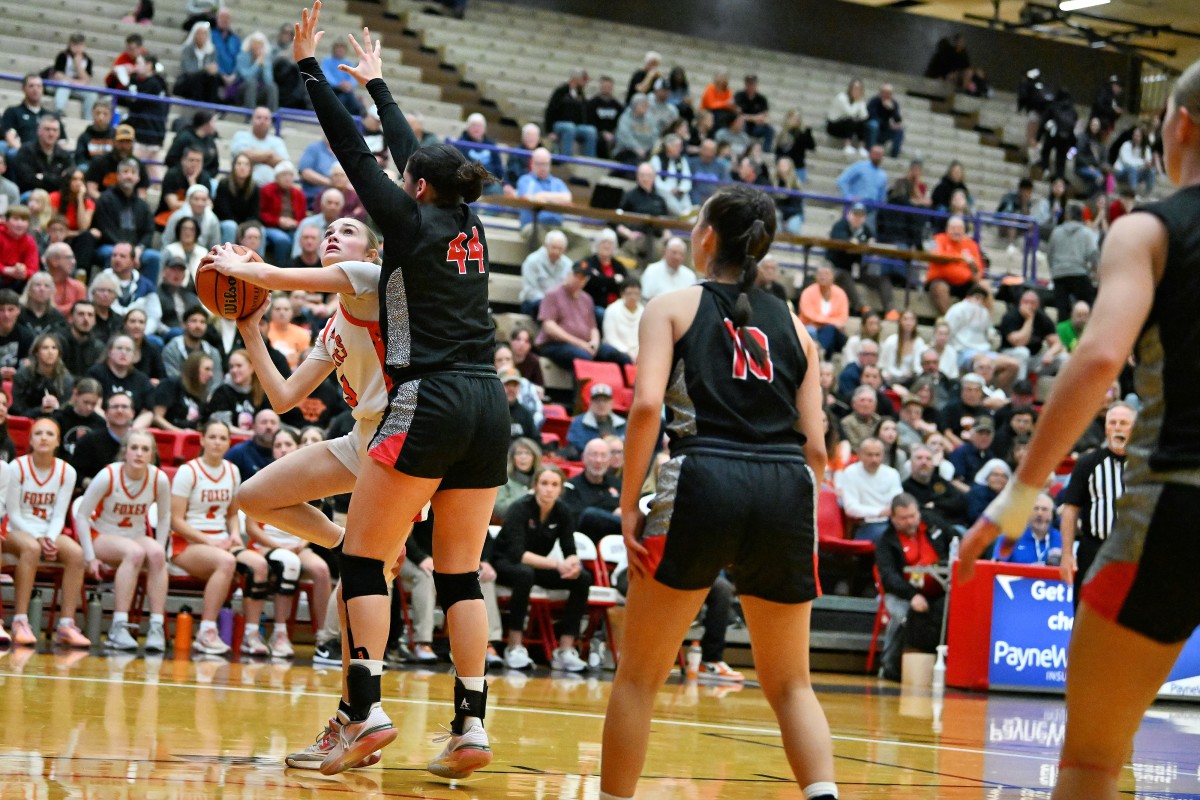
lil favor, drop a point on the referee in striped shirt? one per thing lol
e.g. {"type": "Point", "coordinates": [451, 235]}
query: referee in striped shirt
{"type": "Point", "coordinates": [1087, 503]}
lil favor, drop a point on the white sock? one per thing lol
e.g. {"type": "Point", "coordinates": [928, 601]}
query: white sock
{"type": "Point", "coordinates": [607, 796]}
{"type": "Point", "coordinates": [473, 684]}
{"type": "Point", "coordinates": [20, 618]}
{"type": "Point", "coordinates": [156, 619]}
{"type": "Point", "coordinates": [66, 621]}
{"type": "Point", "coordinates": [120, 618]}
{"type": "Point", "coordinates": [250, 628]}
{"type": "Point", "coordinates": [820, 789]}
{"type": "Point", "coordinates": [207, 625]}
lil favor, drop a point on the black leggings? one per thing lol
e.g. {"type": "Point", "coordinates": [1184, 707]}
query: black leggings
{"type": "Point", "coordinates": [521, 578]}
{"type": "Point", "coordinates": [1071, 289]}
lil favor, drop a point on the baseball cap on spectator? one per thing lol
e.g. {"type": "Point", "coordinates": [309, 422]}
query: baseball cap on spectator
{"type": "Point", "coordinates": [984, 425]}
{"type": "Point", "coordinates": [973, 378]}
{"type": "Point", "coordinates": [10, 298]}
{"type": "Point", "coordinates": [579, 268]}
{"type": "Point", "coordinates": [858, 208]}
{"type": "Point", "coordinates": [125, 132]}
{"type": "Point", "coordinates": [175, 262]}
{"type": "Point", "coordinates": [601, 390]}
{"type": "Point", "coordinates": [285, 166]}
{"type": "Point", "coordinates": [510, 375]}
{"type": "Point", "coordinates": [1023, 388]}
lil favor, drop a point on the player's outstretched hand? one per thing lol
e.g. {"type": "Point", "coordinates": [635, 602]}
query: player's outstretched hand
{"type": "Point", "coordinates": [307, 37]}
{"type": "Point", "coordinates": [370, 65]}
{"type": "Point", "coordinates": [632, 523]}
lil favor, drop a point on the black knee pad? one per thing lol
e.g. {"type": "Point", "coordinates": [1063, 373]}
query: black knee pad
{"type": "Point", "coordinates": [361, 577]}
{"type": "Point", "coordinates": [454, 588]}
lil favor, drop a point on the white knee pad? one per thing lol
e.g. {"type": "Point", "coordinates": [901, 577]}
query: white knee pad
{"type": "Point", "coordinates": [285, 570]}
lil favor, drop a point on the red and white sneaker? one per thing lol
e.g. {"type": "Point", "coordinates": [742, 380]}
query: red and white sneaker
{"type": "Point", "coordinates": [68, 634]}
{"type": "Point", "coordinates": [463, 754]}
{"type": "Point", "coordinates": [357, 740]}
{"type": "Point", "coordinates": [312, 756]}
{"type": "Point", "coordinates": [22, 633]}
{"type": "Point", "coordinates": [720, 671]}
{"type": "Point", "coordinates": [209, 643]}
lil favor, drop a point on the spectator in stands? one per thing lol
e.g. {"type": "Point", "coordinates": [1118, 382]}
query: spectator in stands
{"type": "Point", "coordinates": [824, 309]}
{"type": "Point", "coordinates": [955, 279]}
{"type": "Point", "coordinates": [228, 45]}
{"type": "Point", "coordinates": [199, 74]}
{"type": "Point", "coordinates": [120, 74]}
{"type": "Point", "coordinates": [908, 541]}
{"type": "Point", "coordinates": [20, 122]}
{"type": "Point", "coordinates": [768, 278]}
{"type": "Point", "coordinates": [603, 111]}
{"type": "Point", "coordinates": [871, 330]}
{"type": "Point", "coordinates": [847, 118]}
{"type": "Point", "coordinates": [81, 348]}
{"type": "Point", "coordinates": [1040, 538]}
{"type": "Point", "coordinates": [517, 164]}
{"type": "Point", "coordinates": [669, 273]}
{"type": "Point", "coordinates": [353, 206]}
{"type": "Point", "coordinates": [528, 395]}
{"type": "Point", "coordinates": [343, 84]}
{"type": "Point", "coordinates": [521, 421]}
{"type": "Point", "coordinates": [1135, 163]}
{"type": "Point", "coordinates": [43, 384]}
{"type": "Point", "coordinates": [333, 202]}
{"type": "Point", "coordinates": [38, 313]}
{"type": "Point", "coordinates": [595, 423]}
{"type": "Point", "coordinates": [1073, 254]}
{"type": "Point", "coordinates": [568, 318]}
{"type": "Point", "coordinates": [593, 496]}
{"type": "Point", "coordinates": [147, 351]}
{"type": "Point", "coordinates": [901, 351]}
{"type": "Point", "coordinates": [605, 274]}
{"type": "Point", "coordinates": [642, 241]}
{"type": "Point", "coordinates": [238, 198]}
{"type": "Point", "coordinates": [863, 418]}
{"type": "Point", "coordinates": [789, 209]}
{"type": "Point", "coordinates": [75, 207]}
{"type": "Point", "coordinates": [264, 148]}
{"type": "Point", "coordinates": [192, 340]}
{"type": "Point", "coordinates": [622, 318]}
{"type": "Point", "coordinates": [524, 458]}
{"type": "Point", "coordinates": [795, 142]}
{"type": "Point", "coordinates": [198, 208]}
{"type": "Point", "coordinates": [148, 117]}
{"type": "Point", "coordinates": [951, 62]}
{"type": "Point", "coordinates": [200, 11]}
{"type": "Point", "coordinates": [540, 186]}
{"type": "Point", "coordinates": [77, 416]}
{"type": "Point", "coordinates": [285, 336]}
{"type": "Point", "coordinates": [873, 378]}
{"type": "Point", "coordinates": [116, 374]}
{"type": "Point", "coordinates": [943, 503]}
{"type": "Point", "coordinates": [662, 112]}
{"type": "Point", "coordinates": [1107, 105]}
{"type": "Point", "coordinates": [975, 451]}
{"type": "Point", "coordinates": [567, 117]}
{"type": "Point", "coordinates": [1028, 335]}
{"type": "Point", "coordinates": [102, 171]}
{"type": "Point", "coordinates": [1069, 330]}
{"type": "Point", "coordinates": [185, 249]}
{"type": "Point", "coordinates": [854, 227]}
{"type": "Point", "coordinates": [952, 181]}
{"type": "Point", "coordinates": [172, 298]}
{"type": "Point", "coordinates": [884, 123]}
{"type": "Point", "coordinates": [314, 165]}
{"type": "Point", "coordinates": [122, 216]}
{"type": "Point", "coordinates": [10, 195]}
{"type": "Point", "coordinates": [99, 448]}
{"type": "Point", "coordinates": [1014, 424]}
{"type": "Point", "coordinates": [865, 180]}
{"type": "Point", "coordinates": [475, 132]}
{"type": "Point", "coordinates": [309, 240]}
{"type": "Point", "coordinates": [675, 188]}
{"type": "Point", "coordinates": [706, 165]}
{"type": "Point", "coordinates": [867, 489]}
{"type": "Point", "coordinates": [258, 451]}
{"type": "Point", "coordinates": [41, 163]}
{"type": "Point", "coordinates": [1091, 157]}
{"type": "Point", "coordinates": [257, 75]}
{"type": "Point", "coordinates": [643, 79]}
{"type": "Point", "coordinates": [931, 373]}
{"type": "Point", "coordinates": [524, 359]}
{"type": "Point", "coordinates": [718, 99]}
{"type": "Point", "coordinates": [179, 180]}
{"type": "Point", "coordinates": [989, 482]}
{"type": "Point", "coordinates": [281, 207]}
{"type": "Point", "coordinates": [1051, 210]}
{"type": "Point", "coordinates": [755, 111]}
{"type": "Point", "coordinates": [18, 249]}
{"type": "Point", "coordinates": [15, 338]}
{"type": "Point", "coordinates": [970, 322]}
{"type": "Point", "coordinates": [132, 286]}
{"type": "Point", "coordinates": [74, 66]}
{"type": "Point", "coordinates": [532, 526]}
{"type": "Point", "coordinates": [200, 135]}
{"type": "Point", "coordinates": [543, 270]}
{"type": "Point", "coordinates": [963, 413]}
{"type": "Point", "coordinates": [636, 132]}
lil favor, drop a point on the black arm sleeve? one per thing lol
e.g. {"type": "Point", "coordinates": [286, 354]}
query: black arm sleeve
{"type": "Point", "coordinates": [391, 208]}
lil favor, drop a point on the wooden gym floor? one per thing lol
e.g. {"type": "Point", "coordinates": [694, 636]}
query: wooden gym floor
{"type": "Point", "coordinates": [92, 726]}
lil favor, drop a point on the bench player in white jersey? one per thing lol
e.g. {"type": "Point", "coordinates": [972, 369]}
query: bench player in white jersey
{"type": "Point", "coordinates": [38, 496]}
{"type": "Point", "coordinates": [110, 521]}
{"type": "Point", "coordinates": [206, 542]}
{"type": "Point", "coordinates": [291, 559]}
{"type": "Point", "coordinates": [352, 345]}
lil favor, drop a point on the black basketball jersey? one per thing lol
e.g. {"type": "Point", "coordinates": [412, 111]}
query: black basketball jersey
{"type": "Point", "coordinates": [1167, 434]}
{"type": "Point", "coordinates": [718, 391]}
{"type": "Point", "coordinates": [433, 288]}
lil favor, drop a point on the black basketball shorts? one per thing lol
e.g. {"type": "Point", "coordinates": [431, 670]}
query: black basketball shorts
{"type": "Point", "coordinates": [447, 425]}
{"type": "Point", "coordinates": [1144, 577]}
{"type": "Point", "coordinates": [753, 515]}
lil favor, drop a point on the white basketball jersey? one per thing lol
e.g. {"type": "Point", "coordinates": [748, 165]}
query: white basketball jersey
{"type": "Point", "coordinates": [123, 510]}
{"type": "Point", "coordinates": [209, 493]}
{"type": "Point", "coordinates": [36, 498]}
{"type": "Point", "coordinates": [352, 342]}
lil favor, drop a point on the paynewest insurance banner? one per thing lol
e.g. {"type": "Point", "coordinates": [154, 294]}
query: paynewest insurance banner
{"type": "Point", "coordinates": [1031, 632]}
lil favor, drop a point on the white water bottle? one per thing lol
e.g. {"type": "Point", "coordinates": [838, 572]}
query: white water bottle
{"type": "Point", "coordinates": [939, 669]}
{"type": "Point", "coordinates": [954, 545]}
{"type": "Point", "coordinates": [694, 655]}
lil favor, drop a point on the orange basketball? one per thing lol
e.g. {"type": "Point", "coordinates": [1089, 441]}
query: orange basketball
{"type": "Point", "coordinates": [224, 295]}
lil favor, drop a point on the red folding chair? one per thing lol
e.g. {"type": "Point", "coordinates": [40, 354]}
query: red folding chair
{"type": "Point", "coordinates": [18, 431]}
{"type": "Point", "coordinates": [831, 528]}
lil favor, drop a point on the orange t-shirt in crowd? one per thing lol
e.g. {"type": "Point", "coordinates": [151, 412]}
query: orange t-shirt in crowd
{"type": "Point", "coordinates": [292, 341]}
{"type": "Point", "coordinates": [714, 99]}
{"type": "Point", "coordinates": [955, 273]}
{"type": "Point", "coordinates": [811, 312]}
{"type": "Point", "coordinates": [72, 213]}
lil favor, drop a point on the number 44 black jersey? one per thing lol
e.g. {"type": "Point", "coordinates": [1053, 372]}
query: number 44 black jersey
{"type": "Point", "coordinates": [433, 290]}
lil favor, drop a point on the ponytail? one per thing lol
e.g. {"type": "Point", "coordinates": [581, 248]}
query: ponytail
{"type": "Point", "coordinates": [454, 178]}
{"type": "Point", "coordinates": [744, 221]}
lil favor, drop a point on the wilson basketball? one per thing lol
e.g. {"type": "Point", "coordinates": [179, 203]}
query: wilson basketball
{"type": "Point", "coordinates": [225, 295]}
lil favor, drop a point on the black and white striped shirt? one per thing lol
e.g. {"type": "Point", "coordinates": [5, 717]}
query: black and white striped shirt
{"type": "Point", "coordinates": [1097, 482]}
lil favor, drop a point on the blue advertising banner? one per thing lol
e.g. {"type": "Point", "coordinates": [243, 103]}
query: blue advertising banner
{"type": "Point", "coordinates": [1031, 631]}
